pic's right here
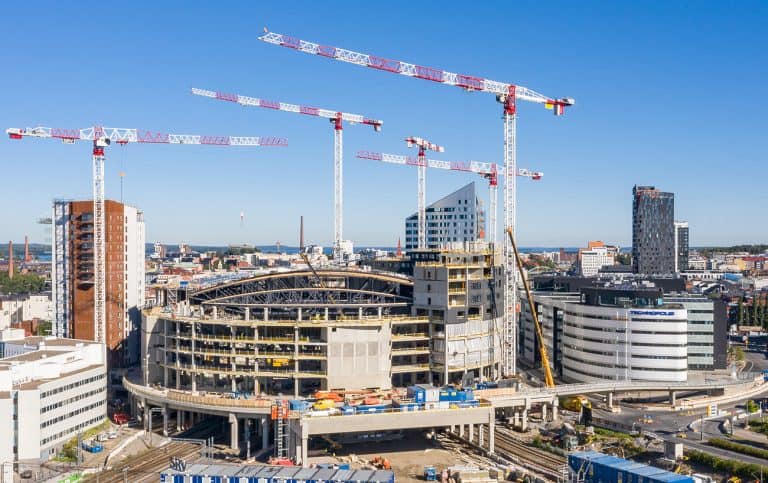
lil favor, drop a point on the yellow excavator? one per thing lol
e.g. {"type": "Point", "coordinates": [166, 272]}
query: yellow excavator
{"type": "Point", "coordinates": [549, 381]}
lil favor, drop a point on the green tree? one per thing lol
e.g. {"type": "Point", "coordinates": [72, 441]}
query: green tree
{"type": "Point", "coordinates": [751, 406]}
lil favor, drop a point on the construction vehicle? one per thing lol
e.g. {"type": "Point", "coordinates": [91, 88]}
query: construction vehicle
{"type": "Point", "coordinates": [549, 381]}
{"type": "Point", "coordinates": [381, 463]}
{"type": "Point", "coordinates": [336, 119]}
{"type": "Point", "coordinates": [575, 403]}
{"type": "Point", "coordinates": [506, 94]}
{"type": "Point", "coordinates": [324, 404]}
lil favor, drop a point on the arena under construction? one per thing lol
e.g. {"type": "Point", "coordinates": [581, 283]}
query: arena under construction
{"type": "Point", "coordinates": [304, 330]}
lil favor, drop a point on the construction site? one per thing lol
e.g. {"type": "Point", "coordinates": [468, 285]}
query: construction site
{"type": "Point", "coordinates": [342, 371]}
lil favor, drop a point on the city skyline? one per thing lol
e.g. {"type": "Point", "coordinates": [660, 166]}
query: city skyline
{"type": "Point", "coordinates": [639, 123]}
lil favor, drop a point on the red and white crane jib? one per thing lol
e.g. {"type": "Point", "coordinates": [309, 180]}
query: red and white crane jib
{"type": "Point", "coordinates": [466, 82]}
{"type": "Point", "coordinates": [127, 135]}
{"type": "Point", "coordinates": [478, 167]}
{"type": "Point", "coordinates": [283, 106]}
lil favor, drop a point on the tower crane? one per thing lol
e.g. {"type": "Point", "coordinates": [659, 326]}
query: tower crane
{"type": "Point", "coordinates": [102, 137]}
{"type": "Point", "coordinates": [336, 119]}
{"type": "Point", "coordinates": [421, 171]}
{"type": "Point", "coordinates": [488, 171]}
{"type": "Point", "coordinates": [506, 94]}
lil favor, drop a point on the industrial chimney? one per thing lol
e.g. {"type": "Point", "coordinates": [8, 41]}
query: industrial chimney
{"type": "Point", "coordinates": [10, 259]}
{"type": "Point", "coordinates": [27, 256]}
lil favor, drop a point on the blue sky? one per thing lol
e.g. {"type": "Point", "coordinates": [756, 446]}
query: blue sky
{"type": "Point", "coordinates": [668, 93]}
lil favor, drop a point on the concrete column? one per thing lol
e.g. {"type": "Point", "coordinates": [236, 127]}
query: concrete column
{"type": "Point", "coordinates": [610, 400]}
{"type": "Point", "coordinates": [452, 429]}
{"type": "Point", "coordinates": [544, 412]}
{"type": "Point", "coordinates": [461, 430]}
{"type": "Point", "coordinates": [524, 420]}
{"type": "Point", "coordinates": [381, 311]}
{"type": "Point", "coordinates": [165, 420]}
{"type": "Point", "coordinates": [471, 434]}
{"type": "Point", "coordinates": [304, 448]}
{"type": "Point", "coordinates": [515, 420]}
{"type": "Point", "coordinates": [247, 314]}
{"type": "Point", "coordinates": [481, 435]}
{"type": "Point", "coordinates": [266, 314]}
{"type": "Point", "coordinates": [555, 406]}
{"type": "Point", "coordinates": [233, 379]}
{"type": "Point", "coordinates": [145, 414]}
{"type": "Point", "coordinates": [233, 432]}
{"type": "Point", "coordinates": [247, 438]}
{"type": "Point", "coordinates": [299, 315]}
{"type": "Point", "coordinates": [326, 313]}
{"type": "Point", "coordinates": [194, 383]}
{"type": "Point", "coordinates": [215, 312]}
{"type": "Point", "coordinates": [491, 433]}
{"type": "Point", "coordinates": [264, 432]}
{"type": "Point", "coordinates": [179, 420]}
{"type": "Point", "coordinates": [673, 398]}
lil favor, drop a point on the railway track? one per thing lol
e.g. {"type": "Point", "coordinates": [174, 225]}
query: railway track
{"type": "Point", "coordinates": [539, 461]}
{"type": "Point", "coordinates": [146, 467]}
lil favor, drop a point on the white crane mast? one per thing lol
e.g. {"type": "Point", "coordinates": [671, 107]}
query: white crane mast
{"type": "Point", "coordinates": [505, 93]}
{"type": "Point", "coordinates": [101, 138]}
{"type": "Point", "coordinates": [421, 171]}
{"type": "Point", "coordinates": [336, 119]}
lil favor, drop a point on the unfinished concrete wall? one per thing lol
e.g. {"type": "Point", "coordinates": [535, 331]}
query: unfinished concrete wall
{"type": "Point", "coordinates": [359, 357]}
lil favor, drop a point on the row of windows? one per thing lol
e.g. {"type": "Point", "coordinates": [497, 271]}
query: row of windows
{"type": "Point", "coordinates": [77, 411]}
{"type": "Point", "coordinates": [73, 385]}
{"type": "Point", "coordinates": [73, 429]}
{"type": "Point", "coordinates": [84, 395]}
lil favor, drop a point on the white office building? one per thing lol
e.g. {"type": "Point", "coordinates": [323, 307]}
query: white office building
{"type": "Point", "coordinates": [15, 309]}
{"type": "Point", "coordinates": [457, 217]}
{"type": "Point", "coordinates": [51, 390]}
{"type": "Point", "coordinates": [596, 256]}
{"type": "Point", "coordinates": [701, 329]}
{"type": "Point", "coordinates": [605, 334]}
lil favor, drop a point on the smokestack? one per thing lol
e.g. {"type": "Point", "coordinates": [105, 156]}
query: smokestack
{"type": "Point", "coordinates": [301, 233]}
{"type": "Point", "coordinates": [10, 259]}
{"type": "Point", "coordinates": [27, 256]}
{"type": "Point", "coordinates": [399, 248]}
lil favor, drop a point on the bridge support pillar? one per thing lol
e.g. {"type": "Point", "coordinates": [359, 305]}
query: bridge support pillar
{"type": "Point", "coordinates": [481, 435]}
{"type": "Point", "coordinates": [179, 420]}
{"type": "Point", "coordinates": [491, 434]}
{"type": "Point", "coordinates": [673, 398]}
{"type": "Point", "coordinates": [165, 420]}
{"type": "Point", "coordinates": [247, 430]}
{"type": "Point", "coordinates": [461, 430]}
{"type": "Point", "coordinates": [264, 432]}
{"type": "Point", "coordinates": [471, 434]}
{"type": "Point", "coordinates": [610, 400]}
{"type": "Point", "coordinates": [555, 405]}
{"type": "Point", "coordinates": [524, 420]}
{"type": "Point", "coordinates": [544, 412]}
{"type": "Point", "coordinates": [233, 432]}
{"type": "Point", "coordinates": [452, 429]}
{"type": "Point", "coordinates": [304, 448]}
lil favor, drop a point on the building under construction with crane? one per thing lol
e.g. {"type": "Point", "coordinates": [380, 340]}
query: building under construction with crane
{"type": "Point", "coordinates": [305, 330]}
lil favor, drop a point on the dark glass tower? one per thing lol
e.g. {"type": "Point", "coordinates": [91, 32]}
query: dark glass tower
{"type": "Point", "coordinates": [681, 246]}
{"type": "Point", "coordinates": [653, 231]}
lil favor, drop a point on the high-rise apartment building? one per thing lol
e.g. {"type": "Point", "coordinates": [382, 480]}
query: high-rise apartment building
{"type": "Point", "coordinates": [73, 275]}
{"type": "Point", "coordinates": [456, 218]}
{"type": "Point", "coordinates": [653, 231]}
{"type": "Point", "coordinates": [681, 246]}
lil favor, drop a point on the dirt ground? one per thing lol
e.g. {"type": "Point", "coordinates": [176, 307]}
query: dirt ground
{"type": "Point", "coordinates": [408, 456]}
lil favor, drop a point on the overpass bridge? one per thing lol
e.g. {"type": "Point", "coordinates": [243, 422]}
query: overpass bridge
{"type": "Point", "coordinates": [254, 414]}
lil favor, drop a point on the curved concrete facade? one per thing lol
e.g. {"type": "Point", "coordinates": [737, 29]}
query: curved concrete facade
{"type": "Point", "coordinates": [613, 343]}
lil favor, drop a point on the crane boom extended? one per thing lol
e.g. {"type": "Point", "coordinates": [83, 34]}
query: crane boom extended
{"type": "Point", "coordinates": [489, 171]}
{"type": "Point", "coordinates": [549, 380]}
{"type": "Point", "coordinates": [101, 137]}
{"type": "Point", "coordinates": [466, 82]}
{"type": "Point", "coordinates": [336, 118]}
